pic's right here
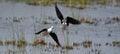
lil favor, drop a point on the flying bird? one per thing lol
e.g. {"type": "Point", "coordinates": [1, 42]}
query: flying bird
{"type": "Point", "coordinates": [65, 21]}
{"type": "Point", "coordinates": [48, 31]}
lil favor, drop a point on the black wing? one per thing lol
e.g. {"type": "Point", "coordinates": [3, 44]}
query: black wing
{"type": "Point", "coordinates": [41, 31]}
{"type": "Point", "coordinates": [59, 14]}
{"type": "Point", "coordinates": [72, 20]}
{"type": "Point", "coordinates": [54, 36]}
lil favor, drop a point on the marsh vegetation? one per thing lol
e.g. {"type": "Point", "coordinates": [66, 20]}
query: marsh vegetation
{"type": "Point", "coordinates": [98, 33]}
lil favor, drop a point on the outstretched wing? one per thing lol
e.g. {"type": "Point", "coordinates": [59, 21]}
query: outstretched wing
{"type": "Point", "coordinates": [72, 20]}
{"type": "Point", "coordinates": [41, 31]}
{"type": "Point", "coordinates": [59, 14]}
{"type": "Point", "coordinates": [54, 36]}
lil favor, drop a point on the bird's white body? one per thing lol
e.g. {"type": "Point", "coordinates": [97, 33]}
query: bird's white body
{"type": "Point", "coordinates": [49, 29]}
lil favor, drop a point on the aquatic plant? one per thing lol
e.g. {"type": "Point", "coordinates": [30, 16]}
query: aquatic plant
{"type": "Point", "coordinates": [76, 3]}
{"type": "Point", "coordinates": [21, 42]}
{"type": "Point", "coordinates": [40, 2]}
{"type": "Point", "coordinates": [67, 47]}
{"type": "Point", "coordinates": [102, 2]}
{"type": "Point", "coordinates": [81, 4]}
{"type": "Point", "coordinates": [67, 37]}
{"type": "Point", "coordinates": [116, 43]}
{"type": "Point", "coordinates": [34, 26]}
{"type": "Point", "coordinates": [86, 43]}
{"type": "Point", "coordinates": [16, 19]}
{"type": "Point", "coordinates": [76, 44]}
{"type": "Point", "coordinates": [37, 42]}
{"type": "Point", "coordinates": [10, 42]}
{"type": "Point", "coordinates": [1, 42]}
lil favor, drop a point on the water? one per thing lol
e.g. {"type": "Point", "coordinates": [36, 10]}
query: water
{"type": "Point", "coordinates": [10, 30]}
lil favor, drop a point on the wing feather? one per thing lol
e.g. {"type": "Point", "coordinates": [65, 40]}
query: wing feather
{"type": "Point", "coordinates": [59, 14]}
{"type": "Point", "coordinates": [72, 20]}
{"type": "Point", "coordinates": [41, 31]}
{"type": "Point", "coordinates": [54, 36]}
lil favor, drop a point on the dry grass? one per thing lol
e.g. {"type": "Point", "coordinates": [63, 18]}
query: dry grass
{"type": "Point", "coordinates": [116, 43]}
{"type": "Point", "coordinates": [37, 42]}
{"type": "Point", "coordinates": [1, 42]}
{"type": "Point", "coordinates": [87, 43]}
{"type": "Point", "coordinates": [21, 42]}
{"type": "Point", "coordinates": [40, 2]}
{"type": "Point", "coordinates": [70, 3]}
{"type": "Point", "coordinates": [76, 44]}
{"type": "Point", "coordinates": [67, 47]}
{"type": "Point", "coordinates": [10, 42]}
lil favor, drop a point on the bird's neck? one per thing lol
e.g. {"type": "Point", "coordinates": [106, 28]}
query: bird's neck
{"type": "Point", "coordinates": [49, 30]}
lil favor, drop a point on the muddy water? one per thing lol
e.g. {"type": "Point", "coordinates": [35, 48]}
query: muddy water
{"type": "Point", "coordinates": [19, 20]}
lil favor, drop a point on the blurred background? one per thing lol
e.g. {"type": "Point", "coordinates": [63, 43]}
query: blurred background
{"type": "Point", "coordinates": [99, 32]}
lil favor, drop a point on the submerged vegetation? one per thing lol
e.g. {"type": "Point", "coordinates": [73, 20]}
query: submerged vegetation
{"type": "Point", "coordinates": [19, 39]}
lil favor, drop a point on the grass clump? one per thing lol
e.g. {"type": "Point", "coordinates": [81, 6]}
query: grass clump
{"type": "Point", "coordinates": [67, 47]}
{"type": "Point", "coordinates": [1, 42]}
{"type": "Point", "coordinates": [40, 2]}
{"type": "Point", "coordinates": [37, 42]}
{"type": "Point", "coordinates": [10, 42]}
{"type": "Point", "coordinates": [76, 44]}
{"type": "Point", "coordinates": [116, 43]}
{"type": "Point", "coordinates": [87, 43]}
{"type": "Point", "coordinates": [21, 42]}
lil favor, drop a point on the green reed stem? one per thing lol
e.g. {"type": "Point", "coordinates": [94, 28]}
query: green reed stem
{"type": "Point", "coordinates": [34, 25]}
{"type": "Point", "coordinates": [67, 38]}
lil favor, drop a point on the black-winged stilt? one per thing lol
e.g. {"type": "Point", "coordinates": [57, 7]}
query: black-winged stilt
{"type": "Point", "coordinates": [65, 21]}
{"type": "Point", "coordinates": [48, 31]}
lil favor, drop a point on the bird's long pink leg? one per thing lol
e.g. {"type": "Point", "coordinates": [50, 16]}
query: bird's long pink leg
{"type": "Point", "coordinates": [62, 32]}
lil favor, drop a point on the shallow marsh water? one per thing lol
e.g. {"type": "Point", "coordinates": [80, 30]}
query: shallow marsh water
{"type": "Point", "coordinates": [32, 18]}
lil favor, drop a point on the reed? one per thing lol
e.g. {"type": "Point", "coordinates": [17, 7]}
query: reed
{"type": "Point", "coordinates": [1, 42]}
{"type": "Point", "coordinates": [70, 3]}
{"type": "Point", "coordinates": [34, 26]}
{"type": "Point", "coordinates": [40, 2]}
{"type": "Point", "coordinates": [67, 38]}
{"type": "Point", "coordinates": [36, 42]}
{"type": "Point", "coordinates": [13, 31]}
